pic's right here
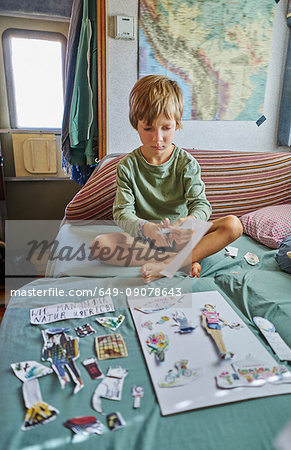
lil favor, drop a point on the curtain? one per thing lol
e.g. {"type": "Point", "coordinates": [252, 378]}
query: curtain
{"type": "Point", "coordinates": [79, 128]}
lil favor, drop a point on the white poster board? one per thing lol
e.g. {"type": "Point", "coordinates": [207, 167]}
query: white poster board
{"type": "Point", "coordinates": [199, 350]}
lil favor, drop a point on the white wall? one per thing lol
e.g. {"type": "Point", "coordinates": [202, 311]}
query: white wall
{"type": "Point", "coordinates": [212, 135]}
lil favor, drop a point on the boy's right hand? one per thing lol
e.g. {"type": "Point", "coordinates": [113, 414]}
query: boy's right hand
{"type": "Point", "coordinates": [152, 231]}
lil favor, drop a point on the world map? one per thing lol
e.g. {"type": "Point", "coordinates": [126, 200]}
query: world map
{"type": "Point", "coordinates": [218, 52]}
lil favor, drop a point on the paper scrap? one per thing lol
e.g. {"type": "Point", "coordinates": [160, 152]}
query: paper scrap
{"type": "Point", "coordinates": [251, 258]}
{"type": "Point", "coordinates": [111, 322]}
{"type": "Point", "coordinates": [199, 227]}
{"type": "Point", "coordinates": [110, 346]}
{"type": "Point", "coordinates": [110, 387]}
{"type": "Point", "coordinates": [231, 251]}
{"type": "Point", "coordinates": [63, 311]}
{"type": "Point", "coordinates": [279, 346]}
{"type": "Point", "coordinates": [29, 370]}
{"type": "Point", "coordinates": [85, 425]}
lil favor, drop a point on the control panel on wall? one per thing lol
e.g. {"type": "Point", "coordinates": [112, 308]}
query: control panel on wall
{"type": "Point", "coordinates": [124, 27]}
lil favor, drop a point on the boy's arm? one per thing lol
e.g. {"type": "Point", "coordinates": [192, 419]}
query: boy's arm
{"type": "Point", "coordinates": [124, 212]}
{"type": "Point", "coordinates": [124, 204]}
{"type": "Point", "coordinates": [196, 201]}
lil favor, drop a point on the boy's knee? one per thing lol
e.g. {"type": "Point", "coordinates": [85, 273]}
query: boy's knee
{"type": "Point", "coordinates": [233, 226]}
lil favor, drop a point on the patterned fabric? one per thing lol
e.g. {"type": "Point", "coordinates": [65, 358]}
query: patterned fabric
{"type": "Point", "coordinates": [236, 183]}
{"type": "Point", "coordinates": [268, 225]}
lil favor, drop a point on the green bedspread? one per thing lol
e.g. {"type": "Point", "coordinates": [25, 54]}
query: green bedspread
{"type": "Point", "coordinates": [259, 290]}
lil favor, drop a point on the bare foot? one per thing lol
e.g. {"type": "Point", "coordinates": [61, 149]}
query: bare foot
{"type": "Point", "coordinates": [151, 272]}
{"type": "Point", "coordinates": [195, 270]}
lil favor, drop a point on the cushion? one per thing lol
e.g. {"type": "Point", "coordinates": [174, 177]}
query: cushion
{"type": "Point", "coordinates": [236, 183]}
{"type": "Point", "coordinates": [268, 225]}
{"type": "Point", "coordinates": [284, 255]}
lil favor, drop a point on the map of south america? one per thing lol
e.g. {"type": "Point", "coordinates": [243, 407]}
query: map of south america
{"type": "Point", "coordinates": [218, 52]}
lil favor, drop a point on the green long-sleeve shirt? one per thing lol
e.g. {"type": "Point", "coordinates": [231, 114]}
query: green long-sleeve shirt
{"type": "Point", "coordinates": [146, 191]}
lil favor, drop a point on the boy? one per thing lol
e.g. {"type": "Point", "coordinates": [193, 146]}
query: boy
{"type": "Point", "coordinates": [160, 182]}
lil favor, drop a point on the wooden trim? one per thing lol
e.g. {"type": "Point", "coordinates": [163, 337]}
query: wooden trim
{"type": "Point", "coordinates": [101, 77]}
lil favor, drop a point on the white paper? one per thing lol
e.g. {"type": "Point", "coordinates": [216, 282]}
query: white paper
{"type": "Point", "coordinates": [63, 311]}
{"type": "Point", "coordinates": [231, 251]}
{"type": "Point", "coordinates": [278, 345]}
{"type": "Point", "coordinates": [198, 349]}
{"type": "Point", "coordinates": [199, 227]}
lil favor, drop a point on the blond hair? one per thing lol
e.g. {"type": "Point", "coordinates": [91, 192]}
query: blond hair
{"type": "Point", "coordinates": [152, 96]}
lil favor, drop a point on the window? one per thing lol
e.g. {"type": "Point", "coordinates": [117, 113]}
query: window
{"type": "Point", "coordinates": [34, 68]}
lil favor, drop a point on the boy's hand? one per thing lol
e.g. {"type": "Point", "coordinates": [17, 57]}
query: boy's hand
{"type": "Point", "coordinates": [175, 233]}
{"type": "Point", "coordinates": [152, 231]}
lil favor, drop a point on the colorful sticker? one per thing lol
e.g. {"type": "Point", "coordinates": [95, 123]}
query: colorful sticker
{"type": "Point", "coordinates": [252, 375]}
{"type": "Point", "coordinates": [37, 412]}
{"type": "Point", "coordinates": [110, 387]}
{"type": "Point", "coordinates": [251, 258]}
{"type": "Point", "coordinates": [111, 322]}
{"type": "Point", "coordinates": [29, 370]}
{"type": "Point", "coordinates": [92, 368]}
{"type": "Point", "coordinates": [110, 346]}
{"type": "Point", "coordinates": [183, 323]}
{"type": "Point", "coordinates": [137, 392]}
{"type": "Point", "coordinates": [158, 343]}
{"type": "Point", "coordinates": [84, 330]}
{"type": "Point", "coordinates": [115, 421]}
{"type": "Point", "coordinates": [163, 320]}
{"type": "Point", "coordinates": [85, 425]}
{"type": "Point", "coordinates": [148, 324]}
{"type": "Point", "coordinates": [213, 323]}
{"type": "Point", "coordinates": [62, 350]}
{"type": "Point", "coordinates": [180, 375]}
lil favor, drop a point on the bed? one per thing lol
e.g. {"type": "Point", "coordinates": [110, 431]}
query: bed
{"type": "Point", "coordinates": [259, 290]}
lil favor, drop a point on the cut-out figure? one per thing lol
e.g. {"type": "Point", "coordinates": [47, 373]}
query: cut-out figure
{"type": "Point", "coordinates": [61, 350]}
{"type": "Point", "coordinates": [213, 322]}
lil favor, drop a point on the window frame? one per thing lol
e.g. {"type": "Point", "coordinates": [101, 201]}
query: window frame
{"type": "Point", "coordinates": [7, 35]}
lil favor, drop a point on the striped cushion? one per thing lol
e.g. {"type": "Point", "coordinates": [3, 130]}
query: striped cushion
{"type": "Point", "coordinates": [236, 183]}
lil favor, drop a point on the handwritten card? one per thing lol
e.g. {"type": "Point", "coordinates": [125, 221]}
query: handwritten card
{"type": "Point", "coordinates": [63, 311]}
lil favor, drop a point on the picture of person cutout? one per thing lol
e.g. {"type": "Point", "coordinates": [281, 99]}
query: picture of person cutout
{"type": "Point", "coordinates": [213, 323]}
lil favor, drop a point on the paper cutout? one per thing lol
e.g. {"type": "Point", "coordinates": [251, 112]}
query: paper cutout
{"type": "Point", "coordinates": [231, 251]}
{"type": "Point", "coordinates": [38, 412]}
{"type": "Point", "coordinates": [213, 323]}
{"type": "Point", "coordinates": [251, 259]}
{"type": "Point", "coordinates": [63, 311]}
{"type": "Point", "coordinates": [111, 322]}
{"type": "Point", "coordinates": [29, 370]}
{"type": "Point", "coordinates": [92, 368]}
{"type": "Point", "coordinates": [62, 350]}
{"type": "Point", "coordinates": [199, 228]}
{"type": "Point", "coordinates": [110, 387]}
{"type": "Point", "coordinates": [180, 375]}
{"type": "Point", "coordinates": [84, 330]}
{"type": "Point", "coordinates": [148, 324]}
{"type": "Point", "coordinates": [250, 374]}
{"type": "Point", "coordinates": [274, 339]}
{"type": "Point", "coordinates": [85, 425]}
{"type": "Point", "coordinates": [115, 421]}
{"type": "Point", "coordinates": [110, 346]}
{"type": "Point", "coordinates": [163, 320]}
{"type": "Point", "coordinates": [158, 343]}
{"type": "Point", "coordinates": [183, 323]}
{"type": "Point", "coordinates": [137, 393]}
{"type": "Point", "coordinates": [157, 304]}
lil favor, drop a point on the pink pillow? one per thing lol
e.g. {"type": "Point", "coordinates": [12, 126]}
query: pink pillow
{"type": "Point", "coordinates": [268, 225]}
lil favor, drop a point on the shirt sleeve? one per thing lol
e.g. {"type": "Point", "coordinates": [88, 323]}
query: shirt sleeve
{"type": "Point", "coordinates": [196, 201]}
{"type": "Point", "coordinates": [124, 212]}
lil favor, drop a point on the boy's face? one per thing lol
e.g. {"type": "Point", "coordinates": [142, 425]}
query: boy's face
{"type": "Point", "coordinates": [157, 138]}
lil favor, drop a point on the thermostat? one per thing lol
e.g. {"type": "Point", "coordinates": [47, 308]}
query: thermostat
{"type": "Point", "coordinates": [124, 27]}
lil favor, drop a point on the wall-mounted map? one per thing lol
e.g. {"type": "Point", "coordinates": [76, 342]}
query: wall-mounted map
{"type": "Point", "coordinates": [218, 52]}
